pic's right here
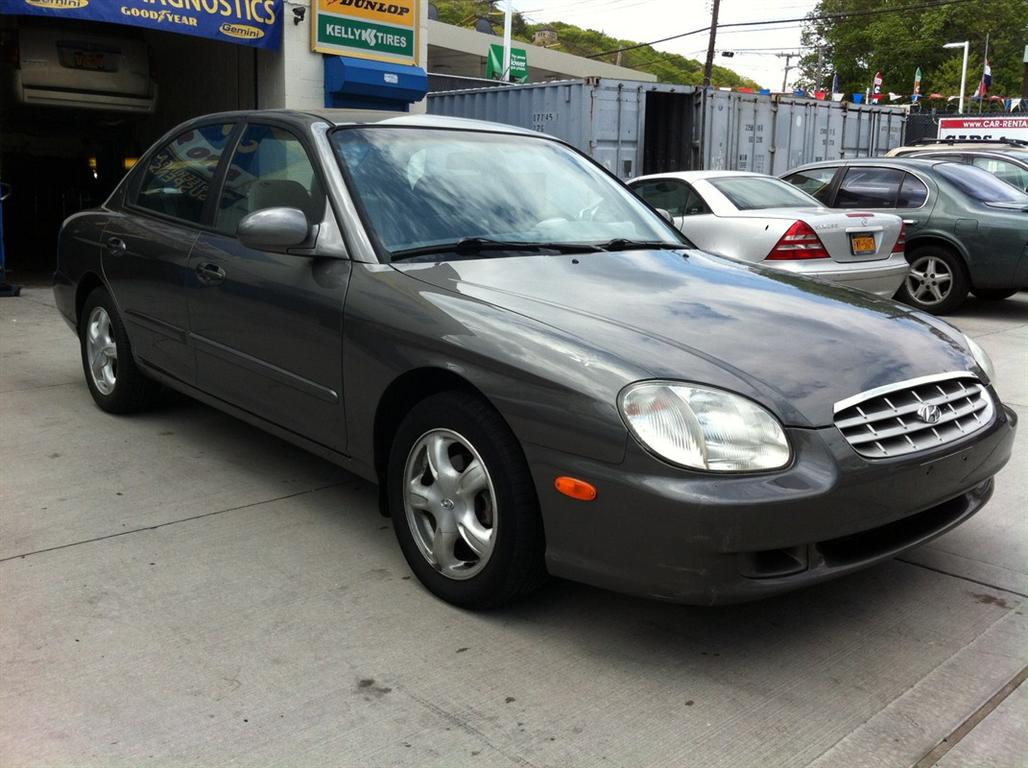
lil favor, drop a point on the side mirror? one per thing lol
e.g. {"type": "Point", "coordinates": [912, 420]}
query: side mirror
{"type": "Point", "coordinates": [667, 215]}
{"type": "Point", "coordinates": [274, 229]}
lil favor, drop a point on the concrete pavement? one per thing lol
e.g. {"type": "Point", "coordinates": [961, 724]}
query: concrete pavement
{"type": "Point", "coordinates": [178, 588]}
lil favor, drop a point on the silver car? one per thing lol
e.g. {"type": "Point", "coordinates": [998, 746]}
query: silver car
{"type": "Point", "coordinates": [753, 217]}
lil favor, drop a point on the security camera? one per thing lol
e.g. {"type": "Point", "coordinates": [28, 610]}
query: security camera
{"type": "Point", "coordinates": [298, 15]}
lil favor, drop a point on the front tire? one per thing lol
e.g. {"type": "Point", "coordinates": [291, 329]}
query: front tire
{"type": "Point", "coordinates": [463, 503]}
{"type": "Point", "coordinates": [936, 282]}
{"type": "Point", "coordinates": [114, 381]}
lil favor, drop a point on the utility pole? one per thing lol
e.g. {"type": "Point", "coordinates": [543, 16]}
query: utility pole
{"type": "Point", "coordinates": [785, 76]}
{"type": "Point", "coordinates": [708, 67]}
{"type": "Point", "coordinates": [1024, 80]}
{"type": "Point", "coordinates": [820, 61]}
{"type": "Point", "coordinates": [507, 16]}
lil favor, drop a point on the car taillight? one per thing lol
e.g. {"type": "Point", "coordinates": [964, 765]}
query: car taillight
{"type": "Point", "coordinates": [799, 242]}
{"type": "Point", "coordinates": [901, 241]}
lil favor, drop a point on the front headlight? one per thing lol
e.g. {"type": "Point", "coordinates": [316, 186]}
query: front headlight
{"type": "Point", "coordinates": [982, 358]}
{"type": "Point", "coordinates": [703, 428]}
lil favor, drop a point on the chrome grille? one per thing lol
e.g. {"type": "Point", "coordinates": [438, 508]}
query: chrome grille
{"type": "Point", "coordinates": [897, 420]}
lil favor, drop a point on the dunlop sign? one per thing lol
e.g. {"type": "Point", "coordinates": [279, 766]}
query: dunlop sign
{"type": "Point", "coordinates": [245, 22]}
{"type": "Point", "coordinates": [386, 30]}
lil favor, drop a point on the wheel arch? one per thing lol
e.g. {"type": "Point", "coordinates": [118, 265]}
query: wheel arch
{"type": "Point", "coordinates": [939, 241]}
{"type": "Point", "coordinates": [88, 283]}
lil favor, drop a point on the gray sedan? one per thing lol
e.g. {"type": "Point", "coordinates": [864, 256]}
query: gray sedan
{"type": "Point", "coordinates": [543, 374]}
{"type": "Point", "coordinates": [966, 229]}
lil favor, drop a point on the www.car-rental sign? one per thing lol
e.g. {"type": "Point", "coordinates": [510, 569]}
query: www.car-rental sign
{"type": "Point", "coordinates": [385, 30]}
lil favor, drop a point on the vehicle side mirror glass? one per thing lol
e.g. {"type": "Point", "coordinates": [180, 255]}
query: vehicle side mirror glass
{"type": "Point", "coordinates": [667, 215]}
{"type": "Point", "coordinates": [274, 229]}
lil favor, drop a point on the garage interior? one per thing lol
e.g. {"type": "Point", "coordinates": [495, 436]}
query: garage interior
{"type": "Point", "coordinates": [56, 160]}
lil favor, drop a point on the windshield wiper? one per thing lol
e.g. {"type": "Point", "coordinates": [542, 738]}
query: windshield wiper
{"type": "Point", "coordinates": [624, 244]}
{"type": "Point", "coordinates": [470, 246]}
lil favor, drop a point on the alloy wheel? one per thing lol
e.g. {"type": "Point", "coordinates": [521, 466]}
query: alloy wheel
{"type": "Point", "coordinates": [101, 351]}
{"type": "Point", "coordinates": [450, 504]}
{"type": "Point", "coordinates": [929, 280]}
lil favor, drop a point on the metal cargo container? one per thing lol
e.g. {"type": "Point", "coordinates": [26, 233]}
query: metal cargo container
{"type": "Point", "coordinates": [601, 117]}
{"type": "Point", "coordinates": [634, 128]}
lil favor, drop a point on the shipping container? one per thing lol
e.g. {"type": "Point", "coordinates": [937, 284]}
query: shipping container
{"type": "Point", "coordinates": [634, 128]}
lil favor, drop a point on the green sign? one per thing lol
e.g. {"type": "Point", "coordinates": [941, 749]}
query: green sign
{"type": "Point", "coordinates": [518, 64]}
{"type": "Point", "coordinates": [341, 32]}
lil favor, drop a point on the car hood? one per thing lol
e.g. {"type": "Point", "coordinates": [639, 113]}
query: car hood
{"type": "Point", "coordinates": [796, 345]}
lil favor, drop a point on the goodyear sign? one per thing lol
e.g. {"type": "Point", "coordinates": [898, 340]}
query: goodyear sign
{"type": "Point", "coordinates": [385, 30]}
{"type": "Point", "coordinates": [246, 22]}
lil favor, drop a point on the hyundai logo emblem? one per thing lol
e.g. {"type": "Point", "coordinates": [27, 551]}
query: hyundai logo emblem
{"type": "Point", "coordinates": [929, 413]}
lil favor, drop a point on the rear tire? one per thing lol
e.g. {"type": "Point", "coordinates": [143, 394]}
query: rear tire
{"type": "Point", "coordinates": [115, 382]}
{"type": "Point", "coordinates": [936, 282]}
{"type": "Point", "coordinates": [993, 294]}
{"type": "Point", "coordinates": [472, 534]}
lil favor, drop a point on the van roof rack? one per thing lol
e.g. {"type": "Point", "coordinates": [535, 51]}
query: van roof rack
{"type": "Point", "coordinates": [970, 140]}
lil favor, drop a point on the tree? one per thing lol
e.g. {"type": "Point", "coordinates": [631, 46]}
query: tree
{"type": "Point", "coordinates": [898, 43]}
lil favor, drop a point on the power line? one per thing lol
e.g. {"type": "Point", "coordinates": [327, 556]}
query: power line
{"type": "Point", "coordinates": [821, 17]}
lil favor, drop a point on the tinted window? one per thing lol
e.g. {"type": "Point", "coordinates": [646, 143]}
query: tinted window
{"type": "Point", "coordinates": [663, 193]}
{"type": "Point", "coordinates": [816, 182]}
{"type": "Point", "coordinates": [178, 176]}
{"type": "Point", "coordinates": [269, 169]}
{"type": "Point", "coordinates": [979, 185]}
{"type": "Point", "coordinates": [869, 188]}
{"type": "Point", "coordinates": [1012, 174]}
{"type": "Point", "coordinates": [912, 193]}
{"type": "Point", "coordinates": [748, 193]}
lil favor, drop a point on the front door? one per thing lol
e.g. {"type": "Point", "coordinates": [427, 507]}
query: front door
{"type": "Point", "coordinates": [147, 242]}
{"type": "Point", "coordinates": [267, 326]}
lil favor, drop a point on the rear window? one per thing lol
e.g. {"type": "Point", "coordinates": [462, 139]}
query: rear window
{"type": "Point", "coordinates": [750, 193]}
{"type": "Point", "coordinates": [978, 184]}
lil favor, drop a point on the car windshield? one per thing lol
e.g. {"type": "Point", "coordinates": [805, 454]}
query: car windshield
{"type": "Point", "coordinates": [749, 193]}
{"type": "Point", "coordinates": [419, 188]}
{"type": "Point", "coordinates": [980, 185]}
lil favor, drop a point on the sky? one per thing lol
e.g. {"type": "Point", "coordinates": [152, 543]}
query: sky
{"type": "Point", "coordinates": [645, 20]}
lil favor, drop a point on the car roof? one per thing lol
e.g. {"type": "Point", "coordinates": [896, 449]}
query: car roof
{"type": "Point", "coordinates": [908, 163]}
{"type": "Point", "coordinates": [303, 119]}
{"type": "Point", "coordinates": [698, 175]}
{"type": "Point", "coordinates": [1020, 153]}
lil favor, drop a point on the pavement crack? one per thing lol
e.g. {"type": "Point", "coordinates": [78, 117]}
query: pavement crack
{"type": "Point", "coordinates": [172, 522]}
{"type": "Point", "coordinates": [958, 733]}
{"type": "Point", "coordinates": [963, 578]}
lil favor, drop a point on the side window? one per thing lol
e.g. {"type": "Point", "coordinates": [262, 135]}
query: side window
{"type": "Point", "coordinates": [694, 204]}
{"type": "Point", "coordinates": [869, 188]}
{"type": "Point", "coordinates": [912, 192]}
{"type": "Point", "coordinates": [670, 195]}
{"type": "Point", "coordinates": [270, 169]}
{"type": "Point", "coordinates": [1009, 172]}
{"type": "Point", "coordinates": [816, 182]}
{"type": "Point", "coordinates": [178, 176]}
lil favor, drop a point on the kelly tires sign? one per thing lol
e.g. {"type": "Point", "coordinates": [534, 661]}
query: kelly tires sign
{"type": "Point", "coordinates": [983, 128]}
{"type": "Point", "coordinates": [384, 30]}
{"type": "Point", "coordinates": [244, 22]}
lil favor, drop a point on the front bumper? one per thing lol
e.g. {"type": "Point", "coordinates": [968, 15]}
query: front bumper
{"type": "Point", "coordinates": [882, 277]}
{"type": "Point", "coordinates": [690, 537]}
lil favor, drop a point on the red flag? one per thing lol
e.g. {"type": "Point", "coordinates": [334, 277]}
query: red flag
{"type": "Point", "coordinates": [876, 92]}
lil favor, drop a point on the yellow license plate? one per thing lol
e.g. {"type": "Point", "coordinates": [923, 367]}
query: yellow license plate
{"type": "Point", "coordinates": [862, 244]}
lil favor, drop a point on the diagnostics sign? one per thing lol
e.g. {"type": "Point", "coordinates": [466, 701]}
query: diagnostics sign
{"type": "Point", "coordinates": [384, 30]}
{"type": "Point", "coordinates": [257, 23]}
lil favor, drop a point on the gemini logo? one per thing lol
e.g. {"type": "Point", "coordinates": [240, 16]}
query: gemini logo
{"type": "Point", "coordinates": [58, 5]}
{"type": "Point", "coordinates": [241, 31]}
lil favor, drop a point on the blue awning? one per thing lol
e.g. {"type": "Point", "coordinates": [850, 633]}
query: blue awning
{"type": "Point", "coordinates": [364, 84]}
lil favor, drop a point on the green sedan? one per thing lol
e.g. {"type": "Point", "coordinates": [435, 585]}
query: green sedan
{"type": "Point", "coordinates": [965, 229]}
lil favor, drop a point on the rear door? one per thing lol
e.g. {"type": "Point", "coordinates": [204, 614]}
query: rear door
{"type": "Point", "coordinates": [882, 189]}
{"type": "Point", "coordinates": [147, 243]}
{"type": "Point", "coordinates": [267, 325]}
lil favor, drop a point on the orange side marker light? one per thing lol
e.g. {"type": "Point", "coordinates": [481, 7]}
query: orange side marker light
{"type": "Point", "coordinates": [576, 489]}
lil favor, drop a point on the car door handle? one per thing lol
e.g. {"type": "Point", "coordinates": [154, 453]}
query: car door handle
{"type": "Point", "coordinates": [116, 246]}
{"type": "Point", "coordinates": [211, 274]}
{"type": "Point", "coordinates": [910, 222]}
